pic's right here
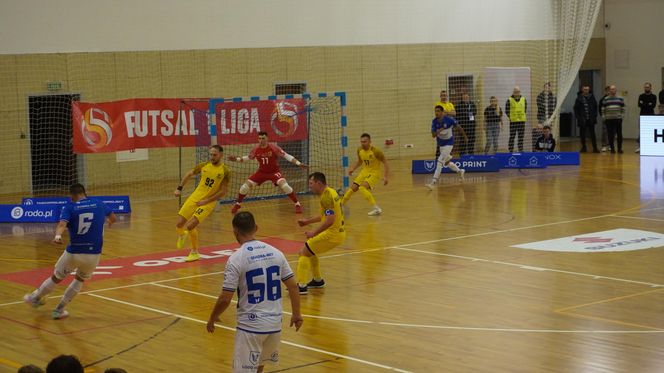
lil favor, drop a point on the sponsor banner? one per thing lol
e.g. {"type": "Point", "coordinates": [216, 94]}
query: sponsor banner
{"type": "Point", "coordinates": [29, 213]}
{"type": "Point", "coordinates": [595, 242]}
{"type": "Point", "coordinates": [562, 158]}
{"type": "Point", "coordinates": [470, 164]}
{"type": "Point", "coordinates": [652, 135]}
{"type": "Point", "coordinates": [119, 204]}
{"type": "Point", "coordinates": [150, 263]}
{"type": "Point", "coordinates": [139, 123]}
{"type": "Point", "coordinates": [239, 122]}
{"type": "Point", "coordinates": [522, 160]}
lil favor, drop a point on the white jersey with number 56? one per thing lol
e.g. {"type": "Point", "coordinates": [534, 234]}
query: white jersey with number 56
{"type": "Point", "coordinates": [256, 271]}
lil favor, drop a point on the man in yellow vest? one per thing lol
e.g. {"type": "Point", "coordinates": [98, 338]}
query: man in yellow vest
{"type": "Point", "coordinates": [515, 109]}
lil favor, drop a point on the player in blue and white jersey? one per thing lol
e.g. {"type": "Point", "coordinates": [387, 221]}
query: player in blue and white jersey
{"type": "Point", "coordinates": [442, 129]}
{"type": "Point", "coordinates": [85, 218]}
{"type": "Point", "coordinates": [256, 271]}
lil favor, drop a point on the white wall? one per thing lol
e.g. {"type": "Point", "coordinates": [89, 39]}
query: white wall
{"type": "Point", "coordinates": [50, 26]}
{"type": "Point", "coordinates": [636, 33]}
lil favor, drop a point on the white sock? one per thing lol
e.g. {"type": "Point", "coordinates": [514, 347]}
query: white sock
{"type": "Point", "coordinates": [452, 166]}
{"type": "Point", "coordinates": [70, 293]}
{"type": "Point", "coordinates": [44, 289]}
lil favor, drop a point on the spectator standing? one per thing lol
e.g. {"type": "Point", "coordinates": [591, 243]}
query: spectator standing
{"type": "Point", "coordinates": [493, 123]}
{"type": "Point", "coordinates": [515, 109]}
{"type": "Point", "coordinates": [466, 116]}
{"type": "Point", "coordinates": [546, 104]}
{"type": "Point", "coordinates": [613, 112]}
{"type": "Point", "coordinates": [585, 109]}
{"type": "Point", "coordinates": [546, 142]}
{"type": "Point", "coordinates": [647, 104]}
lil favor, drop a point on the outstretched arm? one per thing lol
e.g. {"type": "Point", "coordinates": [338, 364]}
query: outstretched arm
{"type": "Point", "coordinates": [293, 160]}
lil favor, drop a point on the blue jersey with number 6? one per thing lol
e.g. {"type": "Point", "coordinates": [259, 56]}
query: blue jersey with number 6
{"type": "Point", "coordinates": [85, 220]}
{"type": "Point", "coordinates": [256, 271]}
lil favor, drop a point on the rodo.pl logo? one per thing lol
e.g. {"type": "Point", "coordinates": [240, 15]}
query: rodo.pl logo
{"type": "Point", "coordinates": [18, 212]}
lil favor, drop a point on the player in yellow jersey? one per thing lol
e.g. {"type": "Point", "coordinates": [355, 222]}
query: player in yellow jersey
{"type": "Point", "coordinates": [325, 237]}
{"type": "Point", "coordinates": [370, 158]}
{"type": "Point", "coordinates": [213, 184]}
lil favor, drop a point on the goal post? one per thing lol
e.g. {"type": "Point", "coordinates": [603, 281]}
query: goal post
{"type": "Point", "coordinates": [310, 126]}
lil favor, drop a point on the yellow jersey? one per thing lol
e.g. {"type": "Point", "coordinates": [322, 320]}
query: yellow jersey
{"type": "Point", "coordinates": [447, 106]}
{"type": "Point", "coordinates": [212, 179]}
{"type": "Point", "coordinates": [330, 204]}
{"type": "Point", "coordinates": [371, 158]}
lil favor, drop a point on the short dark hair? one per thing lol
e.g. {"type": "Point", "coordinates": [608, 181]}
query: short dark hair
{"type": "Point", "coordinates": [318, 176]}
{"type": "Point", "coordinates": [30, 369]}
{"type": "Point", "coordinates": [218, 147]}
{"type": "Point", "coordinates": [365, 135]}
{"type": "Point", "coordinates": [439, 107]}
{"type": "Point", "coordinates": [244, 222]}
{"type": "Point", "coordinates": [64, 364]}
{"type": "Point", "coordinates": [547, 127]}
{"type": "Point", "coordinates": [115, 370]}
{"type": "Point", "coordinates": [76, 189]}
{"type": "Point", "coordinates": [262, 133]}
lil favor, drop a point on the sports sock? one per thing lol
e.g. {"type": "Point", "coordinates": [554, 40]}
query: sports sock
{"type": "Point", "coordinates": [367, 195]}
{"type": "Point", "coordinates": [303, 265]}
{"type": "Point", "coordinates": [193, 236]}
{"type": "Point", "coordinates": [347, 195]}
{"type": "Point", "coordinates": [293, 197]}
{"type": "Point", "coordinates": [240, 198]}
{"type": "Point", "coordinates": [315, 268]}
{"type": "Point", "coordinates": [44, 289]}
{"type": "Point", "coordinates": [70, 293]}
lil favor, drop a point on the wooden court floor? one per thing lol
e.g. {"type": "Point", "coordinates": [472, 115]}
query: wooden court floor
{"type": "Point", "coordinates": [432, 285]}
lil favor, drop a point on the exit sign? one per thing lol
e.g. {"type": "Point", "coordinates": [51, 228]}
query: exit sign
{"type": "Point", "coordinates": [54, 86]}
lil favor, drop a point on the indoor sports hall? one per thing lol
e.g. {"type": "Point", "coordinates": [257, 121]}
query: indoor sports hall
{"type": "Point", "coordinates": [526, 262]}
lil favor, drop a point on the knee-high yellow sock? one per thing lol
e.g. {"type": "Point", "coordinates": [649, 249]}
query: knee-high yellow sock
{"type": "Point", "coordinates": [303, 265]}
{"type": "Point", "coordinates": [180, 230]}
{"type": "Point", "coordinates": [347, 195]}
{"type": "Point", "coordinates": [315, 268]}
{"type": "Point", "coordinates": [193, 236]}
{"type": "Point", "coordinates": [368, 196]}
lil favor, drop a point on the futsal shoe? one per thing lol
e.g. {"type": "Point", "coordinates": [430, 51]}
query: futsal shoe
{"type": "Point", "coordinates": [375, 212]}
{"type": "Point", "coordinates": [303, 289]}
{"type": "Point", "coordinates": [59, 314]}
{"type": "Point", "coordinates": [316, 284]}
{"type": "Point", "coordinates": [298, 208]}
{"type": "Point", "coordinates": [461, 173]}
{"type": "Point", "coordinates": [181, 240]}
{"type": "Point", "coordinates": [431, 185]}
{"type": "Point", "coordinates": [192, 257]}
{"type": "Point", "coordinates": [34, 302]}
{"type": "Point", "coordinates": [235, 208]}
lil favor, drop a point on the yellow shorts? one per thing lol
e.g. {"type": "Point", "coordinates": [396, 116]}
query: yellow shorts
{"type": "Point", "coordinates": [371, 177]}
{"type": "Point", "coordinates": [326, 241]}
{"type": "Point", "coordinates": [189, 210]}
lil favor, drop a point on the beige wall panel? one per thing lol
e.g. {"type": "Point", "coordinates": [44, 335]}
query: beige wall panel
{"type": "Point", "coordinates": [35, 70]}
{"type": "Point", "coordinates": [183, 73]}
{"type": "Point", "coordinates": [509, 54]}
{"type": "Point", "coordinates": [266, 60]}
{"type": "Point", "coordinates": [139, 87]}
{"type": "Point", "coordinates": [95, 90]}
{"type": "Point", "coordinates": [379, 67]}
{"type": "Point", "coordinates": [262, 84]}
{"type": "Point", "coordinates": [91, 66]}
{"type": "Point", "coordinates": [348, 81]}
{"type": "Point", "coordinates": [14, 154]}
{"type": "Point", "coordinates": [477, 56]}
{"type": "Point", "coordinates": [226, 61]}
{"type": "Point", "coordinates": [381, 116]}
{"type": "Point", "coordinates": [8, 92]}
{"type": "Point", "coordinates": [343, 58]}
{"type": "Point", "coordinates": [305, 58]}
{"type": "Point", "coordinates": [445, 59]}
{"type": "Point", "coordinates": [315, 79]}
{"type": "Point", "coordinates": [414, 66]}
{"type": "Point", "coordinates": [138, 74]}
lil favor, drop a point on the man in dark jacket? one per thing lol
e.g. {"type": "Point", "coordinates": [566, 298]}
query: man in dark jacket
{"type": "Point", "coordinates": [466, 115]}
{"type": "Point", "coordinates": [585, 109]}
{"type": "Point", "coordinates": [647, 104]}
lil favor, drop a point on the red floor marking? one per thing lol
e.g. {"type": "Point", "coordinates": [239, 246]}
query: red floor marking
{"type": "Point", "coordinates": [149, 263]}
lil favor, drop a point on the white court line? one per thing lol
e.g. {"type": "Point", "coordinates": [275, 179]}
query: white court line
{"type": "Point", "coordinates": [443, 327]}
{"type": "Point", "coordinates": [637, 217]}
{"type": "Point", "coordinates": [523, 266]}
{"type": "Point", "coordinates": [366, 362]}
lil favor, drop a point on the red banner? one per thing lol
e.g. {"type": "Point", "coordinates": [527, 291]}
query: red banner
{"type": "Point", "coordinates": [240, 122]}
{"type": "Point", "coordinates": [139, 123]}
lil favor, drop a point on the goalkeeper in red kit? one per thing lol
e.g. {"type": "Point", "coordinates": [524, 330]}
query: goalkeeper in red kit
{"type": "Point", "coordinates": [267, 154]}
